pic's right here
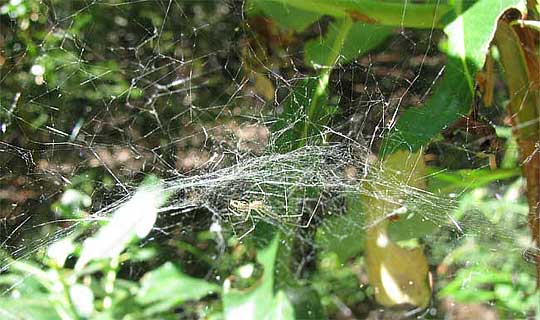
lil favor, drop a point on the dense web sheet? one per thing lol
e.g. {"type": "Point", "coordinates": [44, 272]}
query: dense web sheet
{"type": "Point", "coordinates": [190, 92]}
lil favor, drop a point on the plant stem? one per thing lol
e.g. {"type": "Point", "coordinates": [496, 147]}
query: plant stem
{"type": "Point", "coordinates": [109, 281]}
{"type": "Point", "coordinates": [344, 26]}
{"type": "Point", "coordinates": [73, 314]}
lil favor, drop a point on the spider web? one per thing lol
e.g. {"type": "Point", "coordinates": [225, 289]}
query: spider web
{"type": "Point", "coordinates": [190, 92]}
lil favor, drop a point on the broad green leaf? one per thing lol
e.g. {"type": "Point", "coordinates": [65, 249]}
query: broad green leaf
{"type": "Point", "coordinates": [134, 219]}
{"type": "Point", "coordinates": [347, 44]}
{"type": "Point", "coordinates": [283, 309]}
{"type": "Point", "coordinates": [35, 306]}
{"type": "Point", "coordinates": [460, 180]}
{"type": "Point", "coordinates": [35, 276]}
{"type": "Point", "coordinates": [257, 302]}
{"type": "Point", "coordinates": [285, 15]}
{"type": "Point", "coordinates": [72, 204]}
{"type": "Point", "coordinates": [469, 35]}
{"type": "Point", "coordinates": [398, 275]}
{"type": "Point", "coordinates": [83, 300]}
{"type": "Point", "coordinates": [60, 250]}
{"type": "Point", "coordinates": [167, 287]}
{"type": "Point", "coordinates": [413, 225]}
{"type": "Point", "coordinates": [388, 13]}
{"type": "Point", "coordinates": [306, 302]}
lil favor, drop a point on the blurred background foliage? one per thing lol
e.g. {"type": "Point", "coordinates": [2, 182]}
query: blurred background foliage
{"type": "Point", "coordinates": [98, 97]}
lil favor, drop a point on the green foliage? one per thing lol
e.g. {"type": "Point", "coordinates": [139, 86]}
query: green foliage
{"type": "Point", "coordinates": [72, 204]}
{"type": "Point", "coordinates": [62, 292]}
{"type": "Point", "coordinates": [60, 288]}
{"type": "Point", "coordinates": [498, 276]}
{"type": "Point", "coordinates": [35, 307]}
{"type": "Point", "coordinates": [469, 32]}
{"type": "Point", "coordinates": [467, 179]}
{"type": "Point", "coordinates": [134, 219]}
{"type": "Point", "coordinates": [307, 107]}
{"type": "Point", "coordinates": [259, 302]}
{"type": "Point", "coordinates": [305, 111]}
{"type": "Point", "coordinates": [390, 13]}
{"type": "Point", "coordinates": [412, 225]}
{"type": "Point", "coordinates": [337, 281]}
{"type": "Point", "coordinates": [19, 9]}
{"type": "Point", "coordinates": [358, 40]}
{"type": "Point", "coordinates": [166, 287]}
{"type": "Point", "coordinates": [284, 14]}
{"type": "Point", "coordinates": [88, 279]}
{"type": "Point", "coordinates": [341, 236]}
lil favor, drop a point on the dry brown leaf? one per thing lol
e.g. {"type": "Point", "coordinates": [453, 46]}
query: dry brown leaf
{"type": "Point", "coordinates": [518, 55]}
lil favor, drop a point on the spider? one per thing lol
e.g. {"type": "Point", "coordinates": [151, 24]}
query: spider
{"type": "Point", "coordinates": [245, 209]}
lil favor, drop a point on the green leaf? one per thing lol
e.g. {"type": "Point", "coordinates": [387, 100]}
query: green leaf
{"type": "Point", "coordinates": [457, 181]}
{"type": "Point", "coordinates": [469, 36]}
{"type": "Point", "coordinates": [257, 302]}
{"type": "Point", "coordinates": [36, 306]}
{"type": "Point", "coordinates": [167, 287]}
{"type": "Point", "coordinates": [389, 13]}
{"type": "Point", "coordinates": [72, 204]}
{"type": "Point", "coordinates": [469, 285]}
{"type": "Point", "coordinates": [359, 39]}
{"type": "Point", "coordinates": [511, 153]}
{"type": "Point", "coordinates": [60, 250]}
{"type": "Point", "coordinates": [135, 218]}
{"type": "Point", "coordinates": [36, 275]}
{"type": "Point", "coordinates": [285, 15]}
{"type": "Point", "coordinates": [306, 302]}
{"type": "Point", "coordinates": [283, 309]}
{"type": "Point", "coordinates": [411, 226]}
{"type": "Point", "coordinates": [83, 300]}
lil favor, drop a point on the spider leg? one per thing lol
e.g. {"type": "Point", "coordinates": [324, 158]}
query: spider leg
{"type": "Point", "coordinates": [245, 214]}
{"type": "Point", "coordinates": [276, 217]}
{"type": "Point", "coordinates": [234, 224]}
{"type": "Point", "coordinates": [291, 219]}
{"type": "Point", "coordinates": [235, 211]}
{"type": "Point", "coordinates": [288, 215]}
{"type": "Point", "coordinates": [308, 223]}
{"type": "Point", "coordinates": [248, 216]}
{"type": "Point", "coordinates": [268, 213]}
{"type": "Point", "coordinates": [298, 215]}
